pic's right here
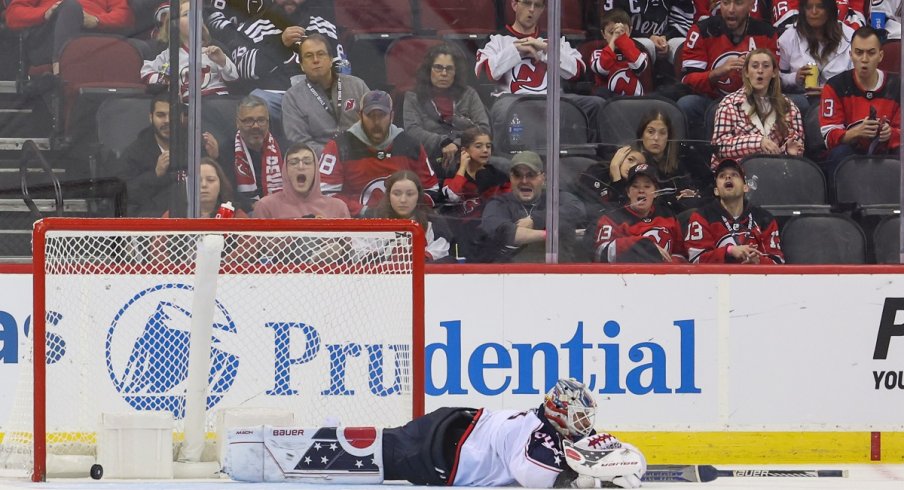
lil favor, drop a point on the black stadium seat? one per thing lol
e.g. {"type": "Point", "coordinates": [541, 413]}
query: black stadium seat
{"type": "Point", "coordinates": [887, 240]}
{"type": "Point", "coordinates": [823, 239]}
{"type": "Point", "coordinates": [574, 127]}
{"type": "Point", "coordinates": [786, 185]}
{"type": "Point", "coordinates": [872, 184]}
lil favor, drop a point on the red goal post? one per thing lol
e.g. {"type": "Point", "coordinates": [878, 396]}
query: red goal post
{"type": "Point", "coordinates": [321, 317]}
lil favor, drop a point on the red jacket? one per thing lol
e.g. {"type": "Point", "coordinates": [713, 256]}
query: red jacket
{"type": "Point", "coordinates": [111, 14]}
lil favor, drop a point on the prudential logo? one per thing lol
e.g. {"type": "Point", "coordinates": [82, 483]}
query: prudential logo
{"type": "Point", "coordinates": [146, 350]}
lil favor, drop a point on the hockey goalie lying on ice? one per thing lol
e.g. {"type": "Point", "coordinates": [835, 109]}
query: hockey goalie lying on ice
{"type": "Point", "coordinates": [553, 445]}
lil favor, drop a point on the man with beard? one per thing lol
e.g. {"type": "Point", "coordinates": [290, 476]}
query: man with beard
{"type": "Point", "coordinates": [730, 231]}
{"type": "Point", "coordinates": [149, 173]}
{"type": "Point", "coordinates": [258, 161]}
{"type": "Point", "coordinates": [514, 223]}
{"type": "Point", "coordinates": [322, 103]}
{"type": "Point", "coordinates": [355, 165]}
{"type": "Point", "coordinates": [713, 57]}
{"type": "Point", "coordinates": [262, 37]}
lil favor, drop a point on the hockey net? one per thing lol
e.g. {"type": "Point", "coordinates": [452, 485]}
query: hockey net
{"type": "Point", "coordinates": [320, 317]}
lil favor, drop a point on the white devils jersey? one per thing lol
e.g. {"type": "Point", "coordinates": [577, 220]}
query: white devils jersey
{"type": "Point", "coordinates": [516, 75]}
{"type": "Point", "coordinates": [509, 447]}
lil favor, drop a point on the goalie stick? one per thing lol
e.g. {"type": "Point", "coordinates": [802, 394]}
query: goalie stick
{"type": "Point", "coordinates": [705, 473]}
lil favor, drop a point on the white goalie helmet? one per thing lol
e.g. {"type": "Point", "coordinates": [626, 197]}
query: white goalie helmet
{"type": "Point", "coordinates": [570, 408]}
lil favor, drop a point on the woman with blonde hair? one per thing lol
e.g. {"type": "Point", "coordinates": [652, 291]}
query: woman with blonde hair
{"type": "Point", "coordinates": [757, 118]}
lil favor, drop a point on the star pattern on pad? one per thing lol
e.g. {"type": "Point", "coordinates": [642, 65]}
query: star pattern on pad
{"type": "Point", "coordinates": [325, 453]}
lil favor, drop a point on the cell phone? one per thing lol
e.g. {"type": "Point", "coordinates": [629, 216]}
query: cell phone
{"type": "Point", "coordinates": [872, 113]}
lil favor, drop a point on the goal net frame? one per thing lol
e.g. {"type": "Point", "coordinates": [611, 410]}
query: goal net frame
{"type": "Point", "coordinates": [209, 226]}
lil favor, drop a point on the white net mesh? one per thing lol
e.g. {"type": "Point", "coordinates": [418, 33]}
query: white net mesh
{"type": "Point", "coordinates": [316, 322]}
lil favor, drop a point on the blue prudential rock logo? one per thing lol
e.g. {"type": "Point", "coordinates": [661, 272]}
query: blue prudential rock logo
{"type": "Point", "coordinates": [146, 350]}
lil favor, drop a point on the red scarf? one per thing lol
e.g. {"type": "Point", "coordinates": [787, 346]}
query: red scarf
{"type": "Point", "coordinates": [271, 162]}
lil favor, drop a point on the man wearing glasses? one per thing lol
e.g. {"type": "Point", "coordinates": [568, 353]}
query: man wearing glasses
{"type": "Point", "coordinates": [321, 104]}
{"type": "Point", "coordinates": [258, 160]}
{"type": "Point", "coordinates": [516, 61]}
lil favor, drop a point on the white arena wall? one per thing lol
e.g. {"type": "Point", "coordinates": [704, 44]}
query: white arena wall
{"type": "Point", "coordinates": [778, 364]}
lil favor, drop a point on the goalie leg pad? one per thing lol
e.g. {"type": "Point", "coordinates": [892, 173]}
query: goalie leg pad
{"type": "Point", "coordinates": [330, 454]}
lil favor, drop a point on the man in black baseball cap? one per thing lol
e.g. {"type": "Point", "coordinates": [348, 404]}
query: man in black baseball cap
{"type": "Point", "coordinates": [730, 230]}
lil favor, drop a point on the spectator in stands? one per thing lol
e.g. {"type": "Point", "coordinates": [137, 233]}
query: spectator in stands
{"type": "Point", "coordinates": [442, 106]}
{"type": "Point", "coordinates": [785, 13]}
{"type": "Point", "coordinates": [216, 67]}
{"type": "Point", "coordinates": [516, 61]}
{"type": "Point", "coordinates": [728, 230]}
{"type": "Point", "coordinates": [641, 231]}
{"type": "Point", "coordinates": [151, 176]}
{"type": "Point", "coordinates": [757, 118]}
{"type": "Point", "coordinates": [257, 159]}
{"type": "Point", "coordinates": [892, 11]}
{"type": "Point", "coordinates": [301, 196]}
{"type": "Point", "coordinates": [685, 175]}
{"type": "Point", "coordinates": [660, 26]}
{"type": "Point", "coordinates": [713, 57]}
{"type": "Point", "coordinates": [216, 189]}
{"type": "Point", "coordinates": [861, 107]}
{"type": "Point", "coordinates": [817, 42]}
{"type": "Point", "coordinates": [52, 23]}
{"type": "Point", "coordinates": [321, 104]}
{"type": "Point", "coordinates": [514, 223]}
{"type": "Point", "coordinates": [601, 186]}
{"type": "Point", "coordinates": [620, 64]}
{"type": "Point", "coordinates": [405, 199]}
{"type": "Point", "coordinates": [262, 38]}
{"type": "Point", "coordinates": [355, 165]}
{"type": "Point", "coordinates": [475, 182]}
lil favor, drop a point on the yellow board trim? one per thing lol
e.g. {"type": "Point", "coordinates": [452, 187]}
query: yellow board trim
{"type": "Point", "coordinates": [765, 447]}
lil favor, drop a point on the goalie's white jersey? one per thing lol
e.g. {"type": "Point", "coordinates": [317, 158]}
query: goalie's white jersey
{"type": "Point", "coordinates": [506, 447]}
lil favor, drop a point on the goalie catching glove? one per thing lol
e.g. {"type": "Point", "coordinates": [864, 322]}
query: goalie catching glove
{"type": "Point", "coordinates": [603, 458]}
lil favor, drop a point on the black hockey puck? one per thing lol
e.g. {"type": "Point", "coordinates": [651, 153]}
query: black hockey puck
{"type": "Point", "coordinates": [97, 471]}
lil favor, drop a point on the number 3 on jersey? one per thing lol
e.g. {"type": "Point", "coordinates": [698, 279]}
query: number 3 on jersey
{"type": "Point", "coordinates": [327, 163]}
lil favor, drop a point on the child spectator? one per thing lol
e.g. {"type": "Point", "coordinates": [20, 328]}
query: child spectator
{"type": "Point", "coordinates": [619, 65]}
{"type": "Point", "coordinates": [216, 67]}
{"type": "Point", "coordinates": [405, 199]}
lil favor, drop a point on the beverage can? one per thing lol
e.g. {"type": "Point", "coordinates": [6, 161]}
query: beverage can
{"type": "Point", "coordinates": [226, 210]}
{"type": "Point", "coordinates": [811, 81]}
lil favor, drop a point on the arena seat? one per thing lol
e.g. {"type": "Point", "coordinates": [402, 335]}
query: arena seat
{"type": "Point", "coordinates": [871, 183]}
{"type": "Point", "coordinates": [468, 19]}
{"type": "Point", "coordinates": [380, 19]}
{"type": "Point", "coordinates": [621, 116]}
{"type": "Point", "coordinates": [574, 127]}
{"type": "Point", "coordinates": [572, 18]}
{"type": "Point", "coordinates": [823, 239]}
{"type": "Point", "coordinates": [785, 185]}
{"type": "Point", "coordinates": [887, 240]}
{"type": "Point", "coordinates": [891, 60]}
{"type": "Point", "coordinates": [815, 144]}
{"type": "Point", "coordinates": [96, 67]}
{"type": "Point", "coordinates": [119, 121]}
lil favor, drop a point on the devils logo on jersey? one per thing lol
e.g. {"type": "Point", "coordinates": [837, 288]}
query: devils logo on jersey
{"type": "Point", "coordinates": [662, 237]}
{"type": "Point", "coordinates": [625, 82]}
{"type": "Point", "coordinates": [528, 77]}
{"type": "Point", "coordinates": [733, 81]}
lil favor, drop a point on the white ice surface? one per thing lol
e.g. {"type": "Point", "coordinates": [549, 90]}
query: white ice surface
{"type": "Point", "coordinates": [861, 477]}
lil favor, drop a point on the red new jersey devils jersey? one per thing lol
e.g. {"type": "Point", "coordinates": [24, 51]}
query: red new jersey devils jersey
{"type": "Point", "coordinates": [624, 236]}
{"type": "Point", "coordinates": [711, 229]}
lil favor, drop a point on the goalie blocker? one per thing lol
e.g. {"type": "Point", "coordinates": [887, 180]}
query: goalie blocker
{"type": "Point", "coordinates": [450, 446]}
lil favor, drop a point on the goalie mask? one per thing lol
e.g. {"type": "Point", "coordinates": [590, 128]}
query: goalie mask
{"type": "Point", "coordinates": [570, 408]}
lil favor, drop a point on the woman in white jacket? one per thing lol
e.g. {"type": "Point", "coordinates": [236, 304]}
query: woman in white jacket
{"type": "Point", "coordinates": [819, 39]}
